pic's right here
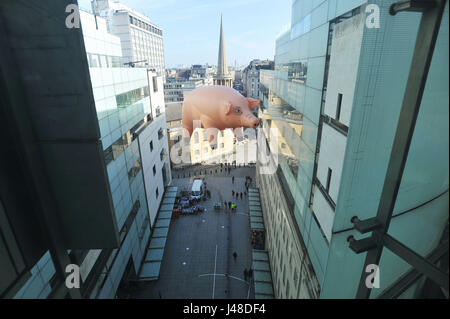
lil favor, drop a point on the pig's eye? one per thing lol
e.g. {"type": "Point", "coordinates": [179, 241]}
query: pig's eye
{"type": "Point", "coordinates": [237, 110]}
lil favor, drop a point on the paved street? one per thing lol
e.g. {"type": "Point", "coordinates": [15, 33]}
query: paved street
{"type": "Point", "coordinates": [198, 259]}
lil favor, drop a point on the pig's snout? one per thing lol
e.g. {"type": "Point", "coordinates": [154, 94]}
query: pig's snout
{"type": "Point", "coordinates": [250, 120]}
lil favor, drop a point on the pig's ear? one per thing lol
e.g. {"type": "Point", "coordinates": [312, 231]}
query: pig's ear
{"type": "Point", "coordinates": [252, 103]}
{"type": "Point", "coordinates": [227, 108]}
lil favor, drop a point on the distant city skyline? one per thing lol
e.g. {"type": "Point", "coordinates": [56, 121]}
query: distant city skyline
{"type": "Point", "coordinates": [191, 28]}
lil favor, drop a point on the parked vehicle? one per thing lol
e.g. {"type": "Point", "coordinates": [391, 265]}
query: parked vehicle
{"type": "Point", "coordinates": [198, 209]}
{"type": "Point", "coordinates": [187, 211]}
{"type": "Point", "coordinates": [198, 189]}
{"type": "Point", "coordinates": [185, 204]}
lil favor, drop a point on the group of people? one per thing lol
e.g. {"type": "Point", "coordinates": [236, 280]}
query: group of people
{"type": "Point", "coordinates": [229, 205]}
{"type": "Point", "coordinates": [237, 194]}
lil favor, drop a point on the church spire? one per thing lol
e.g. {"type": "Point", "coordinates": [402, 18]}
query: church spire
{"type": "Point", "coordinates": [222, 67]}
{"type": "Point", "coordinates": [222, 76]}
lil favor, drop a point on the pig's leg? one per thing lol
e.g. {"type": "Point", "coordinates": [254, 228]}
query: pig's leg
{"type": "Point", "coordinates": [206, 121]}
{"type": "Point", "coordinates": [187, 128]}
{"type": "Point", "coordinates": [210, 124]}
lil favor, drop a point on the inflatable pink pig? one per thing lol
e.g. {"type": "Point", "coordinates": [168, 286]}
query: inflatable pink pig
{"type": "Point", "coordinates": [218, 106]}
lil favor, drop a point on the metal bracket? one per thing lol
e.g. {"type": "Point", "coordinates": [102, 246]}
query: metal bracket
{"type": "Point", "coordinates": [411, 5]}
{"type": "Point", "coordinates": [367, 225]}
{"type": "Point", "coordinates": [361, 245]}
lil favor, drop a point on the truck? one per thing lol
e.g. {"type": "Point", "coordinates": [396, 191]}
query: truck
{"type": "Point", "coordinates": [198, 189]}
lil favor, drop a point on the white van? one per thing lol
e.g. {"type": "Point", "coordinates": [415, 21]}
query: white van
{"type": "Point", "coordinates": [197, 189]}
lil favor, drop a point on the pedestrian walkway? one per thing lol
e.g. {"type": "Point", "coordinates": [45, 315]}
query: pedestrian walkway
{"type": "Point", "coordinates": [155, 252]}
{"type": "Point", "coordinates": [262, 278]}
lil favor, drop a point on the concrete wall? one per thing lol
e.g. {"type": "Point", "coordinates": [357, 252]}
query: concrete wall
{"type": "Point", "coordinates": [383, 70]}
{"type": "Point", "coordinates": [343, 69]}
{"type": "Point", "coordinates": [150, 159]}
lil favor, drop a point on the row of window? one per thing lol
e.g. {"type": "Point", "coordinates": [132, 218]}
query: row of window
{"type": "Point", "coordinates": [116, 148]}
{"type": "Point", "coordinates": [206, 149]}
{"type": "Point", "coordinates": [104, 61]}
{"type": "Point", "coordinates": [121, 144]}
{"type": "Point", "coordinates": [141, 38]}
{"type": "Point", "coordinates": [297, 71]}
{"type": "Point", "coordinates": [144, 25]}
{"type": "Point", "coordinates": [131, 97]}
{"type": "Point", "coordinates": [134, 170]}
{"type": "Point", "coordinates": [301, 27]}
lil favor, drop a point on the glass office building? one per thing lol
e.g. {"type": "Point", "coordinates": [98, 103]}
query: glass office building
{"type": "Point", "coordinates": [334, 101]}
{"type": "Point", "coordinates": [129, 103]}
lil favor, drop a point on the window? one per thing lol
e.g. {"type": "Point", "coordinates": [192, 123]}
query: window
{"type": "Point", "coordinates": [338, 107]}
{"type": "Point", "coordinates": [94, 59]}
{"type": "Point", "coordinates": [131, 97]}
{"type": "Point", "coordinates": [155, 84]}
{"type": "Point", "coordinates": [154, 170]}
{"type": "Point", "coordinates": [134, 170]}
{"type": "Point", "coordinates": [295, 276]}
{"type": "Point", "coordinates": [330, 171]}
{"type": "Point", "coordinates": [196, 137]}
{"type": "Point", "coordinates": [301, 27]}
{"type": "Point", "coordinates": [160, 133]}
{"type": "Point", "coordinates": [157, 192]}
{"type": "Point", "coordinates": [151, 146]}
{"type": "Point", "coordinates": [103, 61]}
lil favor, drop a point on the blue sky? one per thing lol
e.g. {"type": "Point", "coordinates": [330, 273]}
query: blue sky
{"type": "Point", "coordinates": [191, 28]}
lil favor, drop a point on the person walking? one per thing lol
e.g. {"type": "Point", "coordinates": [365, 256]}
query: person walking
{"type": "Point", "coordinates": [245, 274]}
{"type": "Point", "coordinates": [241, 194]}
{"type": "Point", "coordinates": [232, 193]}
{"type": "Point", "coordinates": [234, 256]}
{"type": "Point", "coordinates": [250, 273]}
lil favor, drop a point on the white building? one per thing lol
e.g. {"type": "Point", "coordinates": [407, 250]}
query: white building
{"type": "Point", "coordinates": [141, 40]}
{"type": "Point", "coordinates": [130, 109]}
{"type": "Point", "coordinates": [176, 91]}
{"type": "Point", "coordinates": [250, 77]}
